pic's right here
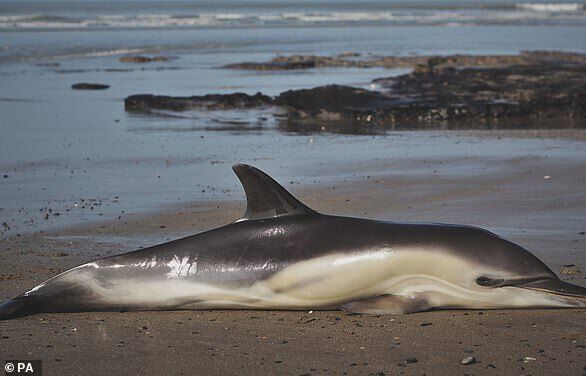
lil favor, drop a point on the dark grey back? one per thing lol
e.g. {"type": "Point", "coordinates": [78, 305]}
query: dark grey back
{"type": "Point", "coordinates": [247, 251]}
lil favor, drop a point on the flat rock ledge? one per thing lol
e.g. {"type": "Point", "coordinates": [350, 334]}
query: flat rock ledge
{"type": "Point", "coordinates": [146, 102]}
{"type": "Point", "coordinates": [421, 63]}
{"type": "Point", "coordinates": [549, 89]}
{"type": "Point", "coordinates": [89, 86]}
{"type": "Point", "coordinates": [139, 59]}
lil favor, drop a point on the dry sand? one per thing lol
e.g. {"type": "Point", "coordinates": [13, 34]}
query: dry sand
{"type": "Point", "coordinates": [508, 196]}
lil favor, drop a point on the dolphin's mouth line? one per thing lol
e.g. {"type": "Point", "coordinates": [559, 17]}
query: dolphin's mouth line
{"type": "Point", "coordinates": [557, 287]}
{"type": "Point", "coordinates": [560, 293]}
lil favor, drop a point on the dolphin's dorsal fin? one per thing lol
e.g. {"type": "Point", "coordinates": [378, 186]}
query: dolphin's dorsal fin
{"type": "Point", "coordinates": [265, 197]}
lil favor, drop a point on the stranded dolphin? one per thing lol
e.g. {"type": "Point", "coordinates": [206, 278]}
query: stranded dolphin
{"type": "Point", "coordinates": [283, 255]}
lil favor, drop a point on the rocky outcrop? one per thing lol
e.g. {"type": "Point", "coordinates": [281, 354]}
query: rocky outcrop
{"type": "Point", "coordinates": [276, 64]}
{"type": "Point", "coordinates": [145, 102]}
{"type": "Point", "coordinates": [537, 91]}
{"type": "Point", "coordinates": [142, 59]}
{"type": "Point", "coordinates": [333, 102]}
{"type": "Point", "coordinates": [89, 86]}
{"type": "Point", "coordinates": [435, 92]}
{"type": "Point", "coordinates": [355, 60]}
{"type": "Point", "coordinates": [442, 94]}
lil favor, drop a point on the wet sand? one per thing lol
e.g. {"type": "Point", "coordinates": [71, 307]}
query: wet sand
{"type": "Point", "coordinates": [535, 200]}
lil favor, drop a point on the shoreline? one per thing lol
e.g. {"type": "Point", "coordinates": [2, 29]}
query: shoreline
{"type": "Point", "coordinates": [229, 195]}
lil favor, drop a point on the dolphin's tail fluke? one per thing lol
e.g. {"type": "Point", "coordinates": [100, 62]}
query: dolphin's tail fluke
{"type": "Point", "coordinates": [19, 307]}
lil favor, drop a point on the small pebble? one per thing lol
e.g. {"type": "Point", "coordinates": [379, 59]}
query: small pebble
{"type": "Point", "coordinates": [469, 360]}
{"type": "Point", "coordinates": [410, 360]}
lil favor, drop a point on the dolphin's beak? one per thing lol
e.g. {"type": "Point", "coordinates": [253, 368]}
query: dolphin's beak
{"type": "Point", "coordinates": [567, 293]}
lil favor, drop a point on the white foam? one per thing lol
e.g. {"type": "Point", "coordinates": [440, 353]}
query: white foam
{"type": "Point", "coordinates": [520, 11]}
{"type": "Point", "coordinates": [16, 18]}
{"type": "Point", "coordinates": [551, 7]}
{"type": "Point", "coordinates": [118, 51]}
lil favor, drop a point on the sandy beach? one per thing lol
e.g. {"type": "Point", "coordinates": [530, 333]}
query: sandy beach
{"type": "Point", "coordinates": [535, 200]}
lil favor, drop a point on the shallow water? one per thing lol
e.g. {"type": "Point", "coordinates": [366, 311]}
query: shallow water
{"type": "Point", "coordinates": [81, 155]}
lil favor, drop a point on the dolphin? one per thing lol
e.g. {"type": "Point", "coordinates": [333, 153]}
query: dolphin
{"type": "Point", "coordinates": [283, 255]}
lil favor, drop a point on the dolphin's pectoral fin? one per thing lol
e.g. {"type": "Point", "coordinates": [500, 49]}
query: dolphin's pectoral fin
{"type": "Point", "coordinates": [386, 305]}
{"type": "Point", "coordinates": [265, 197]}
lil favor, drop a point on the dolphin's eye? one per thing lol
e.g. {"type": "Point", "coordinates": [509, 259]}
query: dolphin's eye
{"type": "Point", "coordinates": [487, 281]}
{"type": "Point", "coordinates": [483, 281]}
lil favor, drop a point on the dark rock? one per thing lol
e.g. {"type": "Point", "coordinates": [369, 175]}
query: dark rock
{"type": "Point", "coordinates": [516, 91]}
{"type": "Point", "coordinates": [538, 86]}
{"type": "Point", "coordinates": [410, 360]}
{"type": "Point", "coordinates": [49, 65]}
{"type": "Point", "coordinates": [89, 86]}
{"type": "Point", "coordinates": [523, 91]}
{"type": "Point", "coordinates": [421, 64]}
{"type": "Point", "coordinates": [145, 102]}
{"type": "Point", "coordinates": [333, 102]}
{"type": "Point", "coordinates": [273, 65]}
{"type": "Point", "coordinates": [142, 59]}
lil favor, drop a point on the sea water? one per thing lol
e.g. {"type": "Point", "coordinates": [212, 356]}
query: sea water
{"type": "Point", "coordinates": [60, 148]}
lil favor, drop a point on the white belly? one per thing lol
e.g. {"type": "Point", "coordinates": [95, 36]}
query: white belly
{"type": "Point", "coordinates": [320, 283]}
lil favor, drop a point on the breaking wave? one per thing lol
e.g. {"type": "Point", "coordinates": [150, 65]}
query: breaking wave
{"type": "Point", "coordinates": [489, 14]}
{"type": "Point", "coordinates": [552, 7]}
